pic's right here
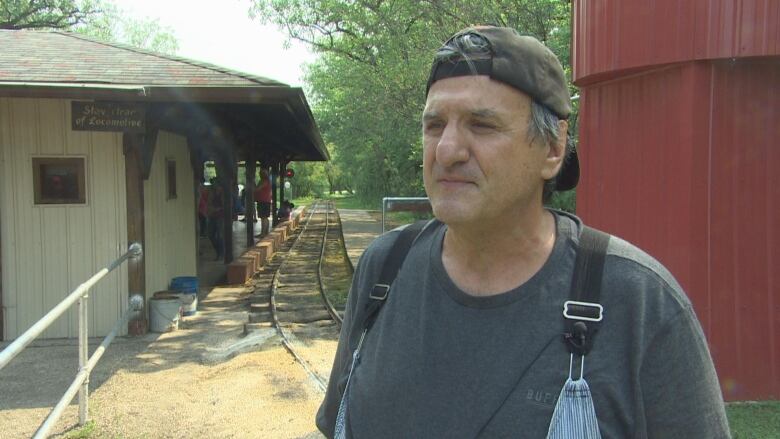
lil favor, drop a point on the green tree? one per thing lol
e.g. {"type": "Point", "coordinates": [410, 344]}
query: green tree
{"type": "Point", "coordinates": [98, 18]}
{"type": "Point", "coordinates": [367, 86]}
{"type": "Point", "coordinates": [46, 14]}
{"type": "Point", "coordinates": [113, 25]}
{"type": "Point", "coordinates": [309, 180]}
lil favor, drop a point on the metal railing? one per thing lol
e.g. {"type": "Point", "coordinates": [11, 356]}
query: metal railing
{"type": "Point", "coordinates": [404, 204]}
{"type": "Point", "coordinates": [80, 384]}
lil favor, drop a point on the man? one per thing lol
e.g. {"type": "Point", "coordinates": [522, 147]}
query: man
{"type": "Point", "coordinates": [470, 340]}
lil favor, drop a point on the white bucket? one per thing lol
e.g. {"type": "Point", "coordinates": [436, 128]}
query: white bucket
{"type": "Point", "coordinates": [164, 314]}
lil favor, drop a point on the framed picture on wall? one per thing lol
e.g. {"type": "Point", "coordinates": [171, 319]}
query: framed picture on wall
{"type": "Point", "coordinates": [59, 180]}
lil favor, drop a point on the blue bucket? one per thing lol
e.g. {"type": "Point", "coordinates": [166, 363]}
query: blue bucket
{"type": "Point", "coordinates": [188, 286]}
{"type": "Point", "coordinates": [185, 284]}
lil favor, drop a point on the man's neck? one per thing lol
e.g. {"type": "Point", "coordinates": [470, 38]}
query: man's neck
{"type": "Point", "coordinates": [497, 256]}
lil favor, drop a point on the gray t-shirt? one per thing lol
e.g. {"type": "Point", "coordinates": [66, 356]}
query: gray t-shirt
{"type": "Point", "coordinates": [440, 363]}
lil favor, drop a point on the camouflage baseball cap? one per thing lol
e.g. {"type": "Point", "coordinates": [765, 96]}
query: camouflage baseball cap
{"type": "Point", "coordinates": [519, 61]}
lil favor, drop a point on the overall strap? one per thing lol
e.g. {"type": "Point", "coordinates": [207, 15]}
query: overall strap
{"type": "Point", "coordinates": [392, 264]}
{"type": "Point", "coordinates": [583, 312]}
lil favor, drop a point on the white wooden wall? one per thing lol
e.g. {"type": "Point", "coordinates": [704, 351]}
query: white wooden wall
{"type": "Point", "coordinates": [169, 225]}
{"type": "Point", "coordinates": [47, 251]}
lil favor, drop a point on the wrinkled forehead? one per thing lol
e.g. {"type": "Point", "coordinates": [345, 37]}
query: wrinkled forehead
{"type": "Point", "coordinates": [476, 95]}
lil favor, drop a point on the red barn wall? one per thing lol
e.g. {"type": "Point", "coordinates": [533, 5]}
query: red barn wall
{"type": "Point", "coordinates": [682, 157]}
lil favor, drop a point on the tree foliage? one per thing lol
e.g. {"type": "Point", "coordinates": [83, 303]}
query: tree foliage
{"type": "Point", "coordinates": [45, 14]}
{"type": "Point", "coordinates": [368, 85]}
{"type": "Point", "coordinates": [98, 18]}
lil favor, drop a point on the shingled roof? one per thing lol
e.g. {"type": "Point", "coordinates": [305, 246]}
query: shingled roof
{"type": "Point", "coordinates": [268, 117]}
{"type": "Point", "coordinates": [51, 56]}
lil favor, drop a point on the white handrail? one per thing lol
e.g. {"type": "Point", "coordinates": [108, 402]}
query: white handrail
{"type": "Point", "coordinates": [388, 202]}
{"type": "Point", "coordinates": [35, 330]}
{"type": "Point", "coordinates": [81, 383]}
{"type": "Point", "coordinates": [136, 303]}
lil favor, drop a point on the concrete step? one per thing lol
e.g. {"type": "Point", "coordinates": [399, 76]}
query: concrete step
{"type": "Point", "coordinates": [249, 327]}
{"type": "Point", "coordinates": [259, 298]}
{"type": "Point", "coordinates": [259, 307]}
{"type": "Point", "coordinates": [260, 317]}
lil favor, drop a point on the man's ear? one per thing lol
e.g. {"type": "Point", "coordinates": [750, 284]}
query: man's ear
{"type": "Point", "coordinates": [556, 152]}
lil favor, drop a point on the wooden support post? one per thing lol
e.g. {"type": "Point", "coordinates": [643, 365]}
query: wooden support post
{"type": "Point", "coordinates": [2, 310]}
{"type": "Point", "coordinates": [196, 162]}
{"type": "Point", "coordinates": [228, 186]}
{"type": "Point", "coordinates": [274, 198]}
{"type": "Point", "coordinates": [249, 202]}
{"type": "Point", "coordinates": [282, 175]}
{"type": "Point", "coordinates": [134, 185]}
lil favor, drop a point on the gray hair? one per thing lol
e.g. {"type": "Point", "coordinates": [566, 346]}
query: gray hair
{"type": "Point", "coordinates": [543, 126]}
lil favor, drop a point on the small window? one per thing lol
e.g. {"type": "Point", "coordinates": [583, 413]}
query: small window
{"type": "Point", "coordinates": [170, 171]}
{"type": "Point", "coordinates": [59, 180]}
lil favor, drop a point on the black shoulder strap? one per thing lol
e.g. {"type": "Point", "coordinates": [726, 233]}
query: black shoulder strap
{"type": "Point", "coordinates": [390, 268]}
{"type": "Point", "coordinates": [583, 312]}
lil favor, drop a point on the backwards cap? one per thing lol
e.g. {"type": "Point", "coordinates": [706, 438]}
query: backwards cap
{"type": "Point", "coordinates": [521, 62]}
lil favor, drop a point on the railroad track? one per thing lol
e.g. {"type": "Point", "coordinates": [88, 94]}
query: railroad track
{"type": "Point", "coordinates": [305, 318]}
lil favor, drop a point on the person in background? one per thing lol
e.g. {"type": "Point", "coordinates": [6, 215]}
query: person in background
{"type": "Point", "coordinates": [262, 196]}
{"type": "Point", "coordinates": [285, 210]}
{"type": "Point", "coordinates": [215, 218]}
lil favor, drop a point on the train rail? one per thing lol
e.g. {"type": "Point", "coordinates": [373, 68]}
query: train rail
{"type": "Point", "coordinates": [300, 309]}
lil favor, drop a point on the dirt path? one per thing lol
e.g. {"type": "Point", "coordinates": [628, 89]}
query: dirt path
{"type": "Point", "coordinates": [206, 380]}
{"type": "Point", "coordinates": [194, 382]}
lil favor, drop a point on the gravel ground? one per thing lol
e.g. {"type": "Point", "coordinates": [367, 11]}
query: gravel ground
{"type": "Point", "coordinates": [316, 344]}
{"type": "Point", "coordinates": [204, 380]}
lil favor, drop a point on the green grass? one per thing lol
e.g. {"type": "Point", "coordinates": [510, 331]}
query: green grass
{"type": "Point", "coordinates": [754, 420]}
{"type": "Point", "coordinates": [352, 202]}
{"type": "Point", "coordinates": [302, 201]}
{"type": "Point", "coordinates": [84, 432]}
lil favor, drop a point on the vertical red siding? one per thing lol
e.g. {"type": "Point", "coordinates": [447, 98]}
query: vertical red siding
{"type": "Point", "coordinates": [636, 163]}
{"type": "Point", "coordinates": [610, 35]}
{"type": "Point", "coordinates": [680, 148]}
{"type": "Point", "coordinates": [744, 198]}
{"type": "Point", "coordinates": [685, 162]}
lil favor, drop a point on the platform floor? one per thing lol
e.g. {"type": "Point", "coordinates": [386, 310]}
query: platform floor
{"type": "Point", "coordinates": [359, 228]}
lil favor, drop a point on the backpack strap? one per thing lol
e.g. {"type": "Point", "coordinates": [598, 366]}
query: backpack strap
{"type": "Point", "coordinates": [582, 312]}
{"type": "Point", "coordinates": [390, 268]}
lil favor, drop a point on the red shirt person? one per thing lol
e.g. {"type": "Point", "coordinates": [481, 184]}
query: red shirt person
{"type": "Point", "coordinates": [262, 196]}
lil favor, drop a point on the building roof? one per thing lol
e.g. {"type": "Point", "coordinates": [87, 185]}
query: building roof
{"type": "Point", "coordinates": [53, 56]}
{"type": "Point", "coordinates": [270, 117]}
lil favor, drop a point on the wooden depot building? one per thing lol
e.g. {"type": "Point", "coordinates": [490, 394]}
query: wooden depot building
{"type": "Point", "coordinates": [102, 145]}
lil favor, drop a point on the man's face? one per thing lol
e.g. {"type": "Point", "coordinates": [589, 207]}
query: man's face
{"type": "Point", "coordinates": [478, 162]}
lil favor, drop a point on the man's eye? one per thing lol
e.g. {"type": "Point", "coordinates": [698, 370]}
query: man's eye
{"type": "Point", "coordinates": [434, 125]}
{"type": "Point", "coordinates": [481, 125]}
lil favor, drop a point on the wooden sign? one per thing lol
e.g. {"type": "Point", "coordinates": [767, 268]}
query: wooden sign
{"type": "Point", "coordinates": [108, 116]}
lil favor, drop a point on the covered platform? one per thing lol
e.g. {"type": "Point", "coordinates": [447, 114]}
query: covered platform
{"type": "Point", "coordinates": [130, 131]}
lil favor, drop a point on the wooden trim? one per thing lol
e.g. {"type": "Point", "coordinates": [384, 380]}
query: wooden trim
{"type": "Point", "coordinates": [260, 94]}
{"type": "Point", "coordinates": [226, 179]}
{"type": "Point", "coordinates": [282, 173]}
{"type": "Point", "coordinates": [2, 309]}
{"type": "Point", "coordinates": [147, 148]}
{"type": "Point", "coordinates": [249, 201]}
{"type": "Point", "coordinates": [275, 171]}
{"type": "Point", "coordinates": [136, 269]}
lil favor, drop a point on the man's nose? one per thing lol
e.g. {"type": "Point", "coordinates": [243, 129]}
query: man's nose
{"type": "Point", "coordinates": [452, 147]}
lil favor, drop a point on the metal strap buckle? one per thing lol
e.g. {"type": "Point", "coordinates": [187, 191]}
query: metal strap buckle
{"type": "Point", "coordinates": [379, 292]}
{"type": "Point", "coordinates": [599, 311]}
